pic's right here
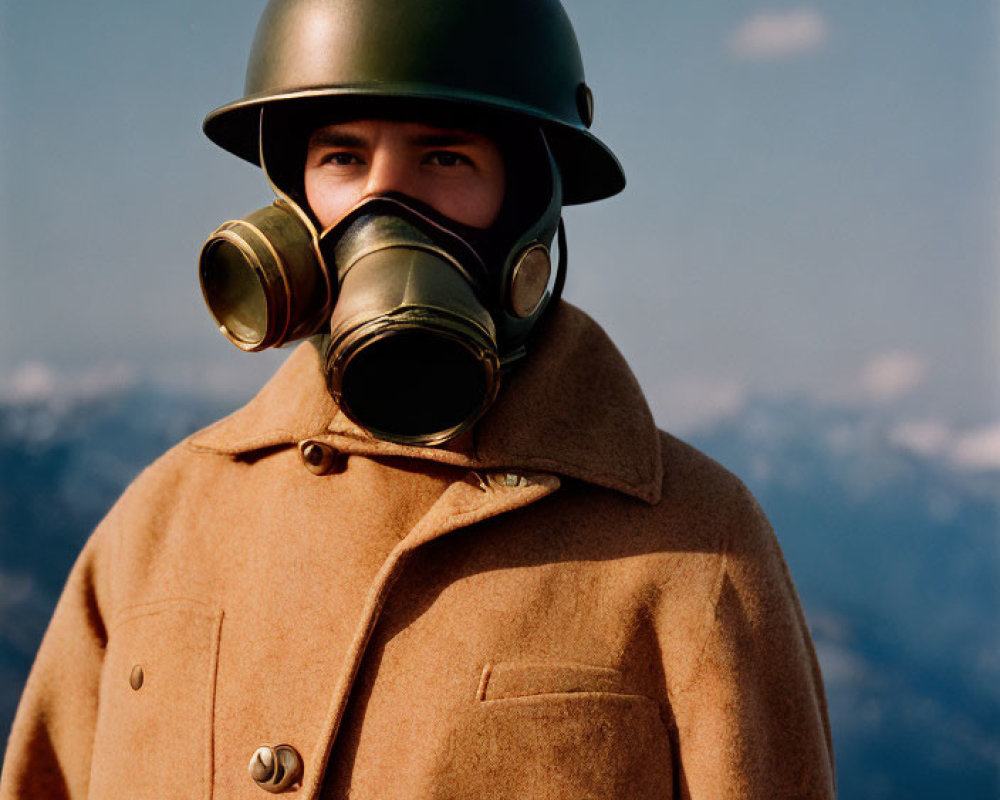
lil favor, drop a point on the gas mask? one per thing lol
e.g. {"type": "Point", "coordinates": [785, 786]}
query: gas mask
{"type": "Point", "coordinates": [422, 314]}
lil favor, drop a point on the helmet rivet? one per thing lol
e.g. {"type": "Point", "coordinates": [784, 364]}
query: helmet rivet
{"type": "Point", "coordinates": [585, 104]}
{"type": "Point", "coordinates": [529, 280]}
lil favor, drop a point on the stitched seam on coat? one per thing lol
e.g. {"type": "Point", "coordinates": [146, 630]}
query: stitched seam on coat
{"type": "Point", "coordinates": [469, 513]}
{"type": "Point", "coordinates": [392, 569]}
{"type": "Point", "coordinates": [390, 573]}
{"type": "Point", "coordinates": [132, 613]}
{"type": "Point", "coordinates": [641, 481]}
{"type": "Point", "coordinates": [116, 551]}
{"type": "Point", "coordinates": [525, 699]}
{"type": "Point", "coordinates": [512, 680]}
{"type": "Point", "coordinates": [273, 438]}
{"type": "Point", "coordinates": [213, 684]}
{"type": "Point", "coordinates": [709, 615]}
{"type": "Point", "coordinates": [117, 534]}
{"type": "Point", "coordinates": [484, 681]}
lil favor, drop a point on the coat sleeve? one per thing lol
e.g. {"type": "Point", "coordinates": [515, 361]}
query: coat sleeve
{"type": "Point", "coordinates": [49, 749]}
{"type": "Point", "coordinates": [751, 712]}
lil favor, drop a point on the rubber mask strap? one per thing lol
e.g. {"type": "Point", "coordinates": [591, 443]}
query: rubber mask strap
{"type": "Point", "coordinates": [557, 287]}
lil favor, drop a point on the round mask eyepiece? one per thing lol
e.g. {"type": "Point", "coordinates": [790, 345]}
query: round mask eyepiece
{"type": "Point", "coordinates": [528, 280]}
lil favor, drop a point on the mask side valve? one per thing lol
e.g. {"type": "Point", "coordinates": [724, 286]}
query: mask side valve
{"type": "Point", "coordinates": [263, 279]}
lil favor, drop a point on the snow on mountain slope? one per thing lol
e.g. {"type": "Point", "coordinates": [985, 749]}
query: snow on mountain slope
{"type": "Point", "coordinates": [890, 530]}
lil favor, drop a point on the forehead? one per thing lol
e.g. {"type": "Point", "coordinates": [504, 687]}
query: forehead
{"type": "Point", "coordinates": [370, 131]}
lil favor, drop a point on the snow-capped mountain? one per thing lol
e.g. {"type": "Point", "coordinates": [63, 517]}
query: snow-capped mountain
{"type": "Point", "coordinates": [893, 545]}
{"type": "Point", "coordinates": [896, 555]}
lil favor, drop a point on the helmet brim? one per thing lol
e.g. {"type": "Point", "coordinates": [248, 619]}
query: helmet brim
{"type": "Point", "coordinates": [588, 168]}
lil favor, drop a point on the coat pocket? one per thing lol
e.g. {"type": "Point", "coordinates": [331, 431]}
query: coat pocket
{"type": "Point", "coordinates": [513, 679]}
{"type": "Point", "coordinates": [567, 730]}
{"type": "Point", "coordinates": [156, 703]}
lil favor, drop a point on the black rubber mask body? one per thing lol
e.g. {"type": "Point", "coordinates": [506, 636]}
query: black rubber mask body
{"type": "Point", "coordinates": [413, 354]}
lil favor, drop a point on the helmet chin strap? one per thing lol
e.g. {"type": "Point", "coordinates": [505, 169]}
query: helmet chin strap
{"type": "Point", "coordinates": [557, 287]}
{"type": "Point", "coordinates": [280, 193]}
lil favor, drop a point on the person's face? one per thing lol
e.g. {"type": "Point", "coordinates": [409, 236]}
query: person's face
{"type": "Point", "coordinates": [457, 172]}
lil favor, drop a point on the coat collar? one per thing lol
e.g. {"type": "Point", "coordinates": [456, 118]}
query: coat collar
{"type": "Point", "coordinates": [572, 408]}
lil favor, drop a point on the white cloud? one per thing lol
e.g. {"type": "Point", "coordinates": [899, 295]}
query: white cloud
{"type": "Point", "coordinates": [32, 382]}
{"type": "Point", "coordinates": [778, 34]}
{"type": "Point", "coordinates": [690, 403]}
{"type": "Point", "coordinates": [840, 665]}
{"type": "Point", "coordinates": [35, 383]}
{"type": "Point", "coordinates": [978, 449]}
{"type": "Point", "coordinates": [892, 375]}
{"type": "Point", "coordinates": [926, 437]}
{"type": "Point", "coordinates": [974, 450]}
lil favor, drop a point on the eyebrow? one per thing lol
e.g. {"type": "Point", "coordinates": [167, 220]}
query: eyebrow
{"type": "Point", "coordinates": [445, 139]}
{"type": "Point", "coordinates": [335, 138]}
{"type": "Point", "coordinates": [327, 138]}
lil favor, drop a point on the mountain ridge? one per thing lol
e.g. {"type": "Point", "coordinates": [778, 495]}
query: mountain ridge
{"type": "Point", "coordinates": [893, 551]}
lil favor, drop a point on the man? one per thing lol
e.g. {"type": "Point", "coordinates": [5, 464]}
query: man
{"type": "Point", "coordinates": [444, 553]}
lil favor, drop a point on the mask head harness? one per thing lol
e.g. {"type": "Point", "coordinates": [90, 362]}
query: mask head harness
{"type": "Point", "coordinates": [422, 313]}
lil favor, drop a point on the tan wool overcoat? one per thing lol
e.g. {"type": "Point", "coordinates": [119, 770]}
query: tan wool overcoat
{"type": "Point", "coordinates": [563, 604]}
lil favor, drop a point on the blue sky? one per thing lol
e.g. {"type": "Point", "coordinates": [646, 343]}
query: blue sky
{"type": "Point", "coordinates": [811, 205]}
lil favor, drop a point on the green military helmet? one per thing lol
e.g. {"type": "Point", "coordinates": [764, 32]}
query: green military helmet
{"type": "Point", "coordinates": [517, 57]}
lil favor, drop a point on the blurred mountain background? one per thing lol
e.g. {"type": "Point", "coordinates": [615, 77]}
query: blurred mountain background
{"type": "Point", "coordinates": [803, 272]}
{"type": "Point", "coordinates": [893, 547]}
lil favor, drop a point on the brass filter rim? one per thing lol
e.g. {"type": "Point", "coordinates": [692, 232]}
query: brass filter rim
{"type": "Point", "coordinates": [344, 349]}
{"type": "Point", "coordinates": [267, 273]}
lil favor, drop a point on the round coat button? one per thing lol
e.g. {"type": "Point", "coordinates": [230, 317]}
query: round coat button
{"type": "Point", "coordinates": [276, 769]}
{"type": "Point", "coordinates": [319, 458]}
{"type": "Point", "coordinates": [136, 677]}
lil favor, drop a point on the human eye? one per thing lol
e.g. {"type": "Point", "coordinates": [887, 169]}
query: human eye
{"type": "Point", "coordinates": [341, 158]}
{"type": "Point", "coordinates": [446, 158]}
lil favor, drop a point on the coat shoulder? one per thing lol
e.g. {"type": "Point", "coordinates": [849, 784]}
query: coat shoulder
{"type": "Point", "coordinates": [704, 515]}
{"type": "Point", "coordinates": [180, 470]}
{"type": "Point", "coordinates": [702, 502]}
{"type": "Point", "coordinates": [167, 502]}
{"type": "Point", "coordinates": [686, 468]}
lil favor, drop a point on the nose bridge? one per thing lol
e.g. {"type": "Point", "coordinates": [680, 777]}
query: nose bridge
{"type": "Point", "coordinates": [390, 170]}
